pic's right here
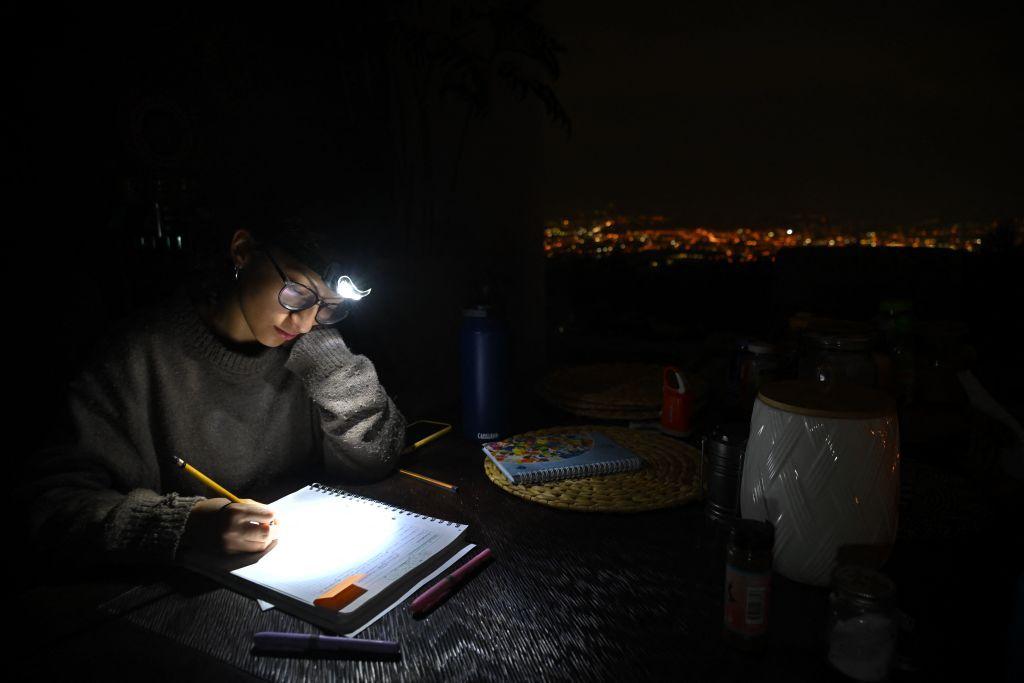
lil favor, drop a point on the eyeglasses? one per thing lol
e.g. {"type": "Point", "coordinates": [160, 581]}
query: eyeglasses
{"type": "Point", "coordinates": [296, 296]}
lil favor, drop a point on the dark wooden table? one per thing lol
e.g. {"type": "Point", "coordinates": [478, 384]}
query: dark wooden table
{"type": "Point", "coordinates": [570, 596]}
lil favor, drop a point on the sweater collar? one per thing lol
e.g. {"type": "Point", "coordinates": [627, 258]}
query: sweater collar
{"type": "Point", "coordinates": [222, 353]}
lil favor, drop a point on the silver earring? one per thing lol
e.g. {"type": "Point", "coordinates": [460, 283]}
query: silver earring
{"type": "Point", "coordinates": [236, 272]}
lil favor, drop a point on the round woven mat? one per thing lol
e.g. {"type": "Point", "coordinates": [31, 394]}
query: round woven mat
{"type": "Point", "coordinates": [611, 391]}
{"type": "Point", "coordinates": [669, 476]}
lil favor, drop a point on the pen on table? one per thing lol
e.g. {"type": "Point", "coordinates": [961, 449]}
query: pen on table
{"type": "Point", "coordinates": [451, 487]}
{"type": "Point", "coordinates": [209, 482]}
{"type": "Point", "coordinates": [297, 643]}
{"type": "Point", "coordinates": [443, 588]}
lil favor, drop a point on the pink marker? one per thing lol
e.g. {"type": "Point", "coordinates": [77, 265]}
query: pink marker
{"type": "Point", "coordinates": [443, 588]}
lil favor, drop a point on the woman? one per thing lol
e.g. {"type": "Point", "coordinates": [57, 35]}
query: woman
{"type": "Point", "coordinates": [250, 385]}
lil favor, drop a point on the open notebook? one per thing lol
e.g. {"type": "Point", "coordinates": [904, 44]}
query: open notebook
{"type": "Point", "coordinates": [327, 538]}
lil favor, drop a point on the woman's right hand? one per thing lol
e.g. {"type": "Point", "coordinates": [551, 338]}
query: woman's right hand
{"type": "Point", "coordinates": [218, 525]}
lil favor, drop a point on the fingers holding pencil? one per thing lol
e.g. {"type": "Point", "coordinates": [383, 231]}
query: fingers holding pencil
{"type": "Point", "coordinates": [254, 512]}
{"type": "Point", "coordinates": [230, 524]}
{"type": "Point", "coordinates": [249, 527]}
{"type": "Point", "coordinates": [229, 527]}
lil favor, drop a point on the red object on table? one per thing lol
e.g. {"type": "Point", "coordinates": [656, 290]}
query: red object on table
{"type": "Point", "coordinates": [676, 405]}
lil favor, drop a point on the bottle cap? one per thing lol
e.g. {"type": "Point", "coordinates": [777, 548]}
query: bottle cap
{"type": "Point", "coordinates": [760, 348]}
{"type": "Point", "coordinates": [752, 534]}
{"type": "Point", "coordinates": [895, 306]}
{"type": "Point", "coordinates": [863, 584]}
{"type": "Point", "coordinates": [731, 433]}
{"type": "Point", "coordinates": [480, 311]}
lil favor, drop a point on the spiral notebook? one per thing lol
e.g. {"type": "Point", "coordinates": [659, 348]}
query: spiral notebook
{"type": "Point", "coordinates": [339, 557]}
{"type": "Point", "coordinates": [529, 459]}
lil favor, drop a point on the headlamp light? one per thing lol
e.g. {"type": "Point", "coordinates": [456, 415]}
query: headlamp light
{"type": "Point", "coordinates": [343, 285]}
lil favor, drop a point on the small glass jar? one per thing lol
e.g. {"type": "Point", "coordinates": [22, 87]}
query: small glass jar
{"type": "Point", "coordinates": [748, 583]}
{"type": "Point", "coordinates": [839, 358]}
{"type": "Point", "coordinates": [862, 624]}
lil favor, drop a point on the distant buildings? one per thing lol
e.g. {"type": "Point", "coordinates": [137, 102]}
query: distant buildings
{"type": "Point", "coordinates": [601, 236]}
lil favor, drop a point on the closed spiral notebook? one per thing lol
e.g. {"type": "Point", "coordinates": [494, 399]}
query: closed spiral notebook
{"type": "Point", "coordinates": [339, 557]}
{"type": "Point", "coordinates": [530, 459]}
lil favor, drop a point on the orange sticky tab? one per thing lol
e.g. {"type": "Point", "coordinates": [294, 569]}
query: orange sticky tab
{"type": "Point", "coordinates": [341, 593]}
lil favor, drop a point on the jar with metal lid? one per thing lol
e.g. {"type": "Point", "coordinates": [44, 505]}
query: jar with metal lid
{"type": "Point", "coordinates": [748, 583]}
{"type": "Point", "coordinates": [839, 358]}
{"type": "Point", "coordinates": [862, 624]}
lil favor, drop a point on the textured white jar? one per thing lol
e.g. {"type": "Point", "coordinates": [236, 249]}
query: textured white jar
{"type": "Point", "coordinates": [822, 464]}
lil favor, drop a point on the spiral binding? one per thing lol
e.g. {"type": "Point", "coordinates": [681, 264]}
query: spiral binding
{"type": "Point", "coordinates": [572, 471]}
{"type": "Point", "coordinates": [341, 493]}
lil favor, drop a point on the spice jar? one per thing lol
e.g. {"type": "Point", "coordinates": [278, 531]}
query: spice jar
{"type": "Point", "coordinates": [862, 624]}
{"type": "Point", "coordinates": [748, 582]}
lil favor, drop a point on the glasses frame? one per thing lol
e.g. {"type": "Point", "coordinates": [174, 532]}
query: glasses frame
{"type": "Point", "coordinates": [341, 304]}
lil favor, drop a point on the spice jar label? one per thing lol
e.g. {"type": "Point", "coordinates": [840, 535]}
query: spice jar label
{"type": "Point", "coordinates": [746, 601]}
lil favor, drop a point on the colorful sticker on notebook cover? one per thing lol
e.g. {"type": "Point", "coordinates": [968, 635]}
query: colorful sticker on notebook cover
{"type": "Point", "coordinates": [544, 448]}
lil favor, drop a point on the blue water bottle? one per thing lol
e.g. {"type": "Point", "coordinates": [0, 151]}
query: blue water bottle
{"type": "Point", "coordinates": [483, 352]}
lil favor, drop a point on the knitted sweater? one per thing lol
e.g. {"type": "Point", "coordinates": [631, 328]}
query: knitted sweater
{"type": "Point", "coordinates": [168, 386]}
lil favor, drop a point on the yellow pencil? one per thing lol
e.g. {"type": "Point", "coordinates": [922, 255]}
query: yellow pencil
{"type": "Point", "coordinates": [206, 480]}
{"type": "Point", "coordinates": [451, 487]}
{"type": "Point", "coordinates": [212, 484]}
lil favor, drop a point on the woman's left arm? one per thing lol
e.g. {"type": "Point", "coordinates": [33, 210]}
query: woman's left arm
{"type": "Point", "coordinates": [363, 429]}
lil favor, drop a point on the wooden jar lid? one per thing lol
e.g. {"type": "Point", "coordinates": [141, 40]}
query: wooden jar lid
{"type": "Point", "coordinates": [818, 399]}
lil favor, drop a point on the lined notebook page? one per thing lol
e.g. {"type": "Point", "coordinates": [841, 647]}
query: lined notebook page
{"type": "Point", "coordinates": [327, 536]}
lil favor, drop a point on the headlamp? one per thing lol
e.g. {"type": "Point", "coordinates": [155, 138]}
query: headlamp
{"type": "Point", "coordinates": [343, 285]}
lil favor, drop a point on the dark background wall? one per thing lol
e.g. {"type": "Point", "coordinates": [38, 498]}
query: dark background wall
{"type": "Point", "coordinates": [434, 200]}
{"type": "Point", "coordinates": [439, 176]}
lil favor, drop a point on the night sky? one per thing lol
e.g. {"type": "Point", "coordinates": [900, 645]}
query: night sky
{"type": "Point", "coordinates": [715, 113]}
{"type": "Point", "coordinates": [868, 112]}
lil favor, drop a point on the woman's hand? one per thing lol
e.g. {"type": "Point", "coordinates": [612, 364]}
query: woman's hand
{"type": "Point", "coordinates": [218, 525]}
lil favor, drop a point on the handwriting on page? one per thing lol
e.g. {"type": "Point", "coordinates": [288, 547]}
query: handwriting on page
{"type": "Point", "coordinates": [324, 540]}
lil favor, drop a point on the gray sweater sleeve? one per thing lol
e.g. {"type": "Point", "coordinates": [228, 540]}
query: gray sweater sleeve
{"type": "Point", "coordinates": [94, 499]}
{"type": "Point", "coordinates": [363, 430]}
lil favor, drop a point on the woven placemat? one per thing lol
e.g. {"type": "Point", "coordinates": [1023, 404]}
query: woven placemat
{"type": "Point", "coordinates": [669, 476]}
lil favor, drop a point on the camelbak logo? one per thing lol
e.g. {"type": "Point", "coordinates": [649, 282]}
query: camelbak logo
{"type": "Point", "coordinates": [487, 435]}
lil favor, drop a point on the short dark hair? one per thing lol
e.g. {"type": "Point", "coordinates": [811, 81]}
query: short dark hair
{"type": "Point", "coordinates": [300, 232]}
{"type": "Point", "coordinates": [309, 246]}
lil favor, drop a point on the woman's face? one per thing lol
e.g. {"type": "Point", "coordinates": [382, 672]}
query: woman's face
{"type": "Point", "coordinates": [259, 284]}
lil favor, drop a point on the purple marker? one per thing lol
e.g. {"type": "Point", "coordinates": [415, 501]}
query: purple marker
{"type": "Point", "coordinates": [443, 588]}
{"type": "Point", "coordinates": [300, 643]}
